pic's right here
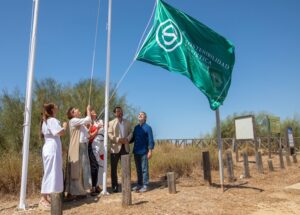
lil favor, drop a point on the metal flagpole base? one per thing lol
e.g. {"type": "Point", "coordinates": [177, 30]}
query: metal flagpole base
{"type": "Point", "coordinates": [104, 193]}
{"type": "Point", "coordinates": [22, 207]}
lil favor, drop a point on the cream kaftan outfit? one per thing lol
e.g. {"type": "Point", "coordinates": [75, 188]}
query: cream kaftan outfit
{"type": "Point", "coordinates": [78, 169]}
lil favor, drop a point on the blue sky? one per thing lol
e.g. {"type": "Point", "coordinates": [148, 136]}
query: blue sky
{"type": "Point", "coordinates": [265, 77]}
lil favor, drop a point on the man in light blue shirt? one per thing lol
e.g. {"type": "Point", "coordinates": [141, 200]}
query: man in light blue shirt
{"type": "Point", "coordinates": [142, 150]}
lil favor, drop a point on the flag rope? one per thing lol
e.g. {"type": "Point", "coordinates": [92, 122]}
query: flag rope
{"type": "Point", "coordinates": [94, 54]}
{"type": "Point", "coordinates": [132, 61]}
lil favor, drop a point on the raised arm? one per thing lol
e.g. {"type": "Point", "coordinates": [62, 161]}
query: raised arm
{"type": "Point", "coordinates": [82, 121]}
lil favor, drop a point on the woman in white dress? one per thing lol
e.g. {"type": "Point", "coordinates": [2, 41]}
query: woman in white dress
{"type": "Point", "coordinates": [78, 177]}
{"type": "Point", "coordinates": [52, 154]}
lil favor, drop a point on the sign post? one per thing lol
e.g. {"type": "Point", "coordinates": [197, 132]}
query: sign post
{"type": "Point", "coordinates": [290, 141]}
{"type": "Point", "coordinates": [245, 130]}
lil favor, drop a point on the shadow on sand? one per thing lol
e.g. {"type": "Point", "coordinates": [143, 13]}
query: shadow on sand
{"type": "Point", "coordinates": [238, 186]}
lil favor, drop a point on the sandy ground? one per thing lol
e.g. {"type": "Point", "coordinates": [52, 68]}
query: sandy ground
{"type": "Point", "coordinates": [260, 194]}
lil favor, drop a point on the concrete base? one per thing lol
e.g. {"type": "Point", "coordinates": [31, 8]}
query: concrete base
{"type": "Point", "coordinates": [295, 189]}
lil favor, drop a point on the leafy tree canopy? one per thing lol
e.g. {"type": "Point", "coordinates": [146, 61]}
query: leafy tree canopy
{"type": "Point", "coordinates": [65, 96]}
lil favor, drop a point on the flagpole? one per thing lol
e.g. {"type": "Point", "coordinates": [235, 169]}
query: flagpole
{"type": "Point", "coordinates": [104, 189]}
{"type": "Point", "coordinates": [221, 167]}
{"type": "Point", "coordinates": [28, 106]}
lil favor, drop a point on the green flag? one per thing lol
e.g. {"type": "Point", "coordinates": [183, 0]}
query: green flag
{"type": "Point", "coordinates": [181, 44]}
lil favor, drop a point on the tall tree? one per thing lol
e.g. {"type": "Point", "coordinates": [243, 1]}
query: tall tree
{"type": "Point", "coordinates": [49, 90]}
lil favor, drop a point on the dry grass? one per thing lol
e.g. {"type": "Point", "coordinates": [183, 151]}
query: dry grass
{"type": "Point", "coordinates": [260, 194]}
{"type": "Point", "coordinates": [166, 158]}
{"type": "Point", "coordinates": [11, 170]}
{"type": "Point", "coordinates": [249, 149]}
{"type": "Point", "coordinates": [170, 158]}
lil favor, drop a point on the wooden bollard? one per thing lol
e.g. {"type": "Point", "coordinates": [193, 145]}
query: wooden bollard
{"type": "Point", "coordinates": [259, 164]}
{"type": "Point", "coordinates": [56, 203]}
{"type": "Point", "coordinates": [246, 165]}
{"type": "Point", "coordinates": [229, 166]}
{"type": "Point", "coordinates": [281, 158]}
{"type": "Point", "coordinates": [288, 160]}
{"type": "Point", "coordinates": [206, 167]}
{"type": "Point", "coordinates": [126, 180]}
{"type": "Point", "coordinates": [236, 149]}
{"type": "Point", "coordinates": [237, 154]}
{"type": "Point", "coordinates": [270, 163]}
{"type": "Point", "coordinates": [171, 182]}
{"type": "Point", "coordinates": [269, 146]}
{"type": "Point", "coordinates": [295, 158]}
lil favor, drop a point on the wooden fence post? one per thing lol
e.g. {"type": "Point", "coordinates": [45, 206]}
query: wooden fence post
{"type": "Point", "coordinates": [246, 165]}
{"type": "Point", "coordinates": [126, 180]}
{"type": "Point", "coordinates": [171, 182]}
{"type": "Point", "coordinates": [281, 157]}
{"type": "Point", "coordinates": [206, 166]}
{"type": "Point", "coordinates": [229, 166]}
{"type": "Point", "coordinates": [236, 149]}
{"type": "Point", "coordinates": [287, 150]}
{"type": "Point", "coordinates": [271, 168]}
{"type": "Point", "coordinates": [288, 160]}
{"type": "Point", "coordinates": [259, 163]}
{"type": "Point", "coordinates": [56, 203]}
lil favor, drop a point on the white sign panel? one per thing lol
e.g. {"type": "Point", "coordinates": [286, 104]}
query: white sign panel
{"type": "Point", "coordinates": [290, 137]}
{"type": "Point", "coordinates": [244, 128]}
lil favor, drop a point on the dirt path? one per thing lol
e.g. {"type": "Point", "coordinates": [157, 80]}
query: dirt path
{"type": "Point", "coordinates": [260, 194]}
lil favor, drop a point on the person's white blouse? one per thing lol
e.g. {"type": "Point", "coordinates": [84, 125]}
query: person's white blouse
{"type": "Point", "coordinates": [84, 133]}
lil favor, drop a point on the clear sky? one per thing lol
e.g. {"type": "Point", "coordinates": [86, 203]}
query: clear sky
{"type": "Point", "coordinates": [265, 77]}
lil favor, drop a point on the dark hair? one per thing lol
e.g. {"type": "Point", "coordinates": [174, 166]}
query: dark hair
{"type": "Point", "coordinates": [144, 113]}
{"type": "Point", "coordinates": [117, 107]}
{"type": "Point", "coordinates": [46, 113]}
{"type": "Point", "coordinates": [70, 113]}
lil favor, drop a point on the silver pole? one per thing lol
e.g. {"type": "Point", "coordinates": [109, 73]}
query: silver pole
{"type": "Point", "coordinates": [104, 191]}
{"type": "Point", "coordinates": [28, 107]}
{"type": "Point", "coordinates": [221, 167]}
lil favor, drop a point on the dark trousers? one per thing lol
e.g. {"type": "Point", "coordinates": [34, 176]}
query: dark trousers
{"type": "Point", "coordinates": [94, 166]}
{"type": "Point", "coordinates": [114, 160]}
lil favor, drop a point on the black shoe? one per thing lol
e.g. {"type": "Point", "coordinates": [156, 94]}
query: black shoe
{"type": "Point", "coordinates": [98, 190]}
{"type": "Point", "coordinates": [115, 190]}
{"type": "Point", "coordinates": [69, 198]}
{"type": "Point", "coordinates": [79, 197]}
{"type": "Point", "coordinates": [93, 192]}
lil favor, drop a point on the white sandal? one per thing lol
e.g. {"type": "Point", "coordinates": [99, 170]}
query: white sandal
{"type": "Point", "coordinates": [44, 205]}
